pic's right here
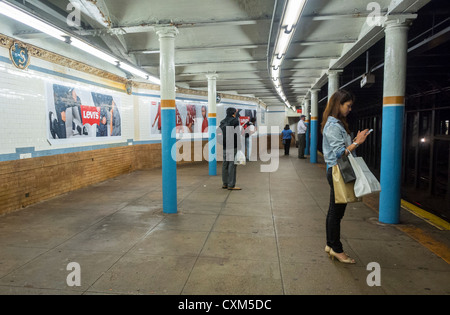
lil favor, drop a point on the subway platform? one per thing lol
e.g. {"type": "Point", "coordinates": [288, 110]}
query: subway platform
{"type": "Point", "coordinates": [267, 239]}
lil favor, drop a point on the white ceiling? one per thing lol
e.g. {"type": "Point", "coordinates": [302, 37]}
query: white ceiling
{"type": "Point", "coordinates": [233, 38]}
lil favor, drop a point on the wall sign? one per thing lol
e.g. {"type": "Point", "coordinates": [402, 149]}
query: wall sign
{"type": "Point", "coordinates": [129, 87]}
{"type": "Point", "coordinates": [19, 55]}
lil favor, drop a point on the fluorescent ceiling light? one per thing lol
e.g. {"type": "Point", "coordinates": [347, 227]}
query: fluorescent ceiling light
{"type": "Point", "coordinates": [133, 70]}
{"type": "Point", "coordinates": [93, 51]}
{"type": "Point", "coordinates": [292, 13]}
{"type": "Point", "coordinates": [139, 73]}
{"type": "Point", "coordinates": [275, 73]}
{"type": "Point", "coordinates": [25, 18]}
{"type": "Point", "coordinates": [276, 62]}
{"type": "Point", "coordinates": [282, 43]}
{"type": "Point", "coordinates": [154, 80]}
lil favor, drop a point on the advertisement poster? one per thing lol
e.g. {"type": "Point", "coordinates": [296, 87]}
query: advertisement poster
{"type": "Point", "coordinates": [243, 114]}
{"type": "Point", "coordinates": [76, 114]}
{"type": "Point", "coordinates": [190, 117]}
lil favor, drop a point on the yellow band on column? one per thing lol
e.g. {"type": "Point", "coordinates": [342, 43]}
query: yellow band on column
{"type": "Point", "coordinates": [167, 104]}
{"type": "Point", "coordinates": [212, 115]}
{"type": "Point", "coordinates": [393, 100]}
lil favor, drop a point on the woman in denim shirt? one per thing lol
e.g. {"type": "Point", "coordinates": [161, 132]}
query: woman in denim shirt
{"type": "Point", "coordinates": [337, 142]}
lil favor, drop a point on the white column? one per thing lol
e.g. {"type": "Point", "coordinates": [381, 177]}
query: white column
{"type": "Point", "coordinates": [333, 81]}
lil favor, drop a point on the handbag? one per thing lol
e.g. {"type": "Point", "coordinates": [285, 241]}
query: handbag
{"type": "Point", "coordinates": [239, 159]}
{"type": "Point", "coordinates": [343, 192]}
{"type": "Point", "coordinates": [346, 169]}
{"type": "Point", "coordinates": [366, 183]}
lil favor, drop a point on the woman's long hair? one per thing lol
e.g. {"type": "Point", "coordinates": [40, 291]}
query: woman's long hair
{"type": "Point", "coordinates": [338, 98]}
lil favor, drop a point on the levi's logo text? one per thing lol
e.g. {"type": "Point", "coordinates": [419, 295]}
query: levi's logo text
{"type": "Point", "coordinates": [90, 114]}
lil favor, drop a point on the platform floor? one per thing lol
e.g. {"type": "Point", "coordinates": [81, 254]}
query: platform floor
{"type": "Point", "coordinates": [268, 238]}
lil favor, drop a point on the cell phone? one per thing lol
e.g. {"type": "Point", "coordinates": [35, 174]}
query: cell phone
{"type": "Point", "coordinates": [368, 132]}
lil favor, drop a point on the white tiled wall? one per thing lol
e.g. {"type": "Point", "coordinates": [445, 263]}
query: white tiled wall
{"type": "Point", "coordinates": [23, 106]}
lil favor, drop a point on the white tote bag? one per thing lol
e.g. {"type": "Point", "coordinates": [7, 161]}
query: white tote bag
{"type": "Point", "coordinates": [366, 183]}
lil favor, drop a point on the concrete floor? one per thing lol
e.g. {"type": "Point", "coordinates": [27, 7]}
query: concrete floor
{"type": "Point", "coordinates": [267, 239]}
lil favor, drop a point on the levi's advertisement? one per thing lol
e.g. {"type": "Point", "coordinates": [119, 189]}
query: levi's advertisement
{"type": "Point", "coordinates": [243, 113]}
{"type": "Point", "coordinates": [79, 114]}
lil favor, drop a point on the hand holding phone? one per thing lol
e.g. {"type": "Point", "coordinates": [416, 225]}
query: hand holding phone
{"type": "Point", "coordinates": [368, 132]}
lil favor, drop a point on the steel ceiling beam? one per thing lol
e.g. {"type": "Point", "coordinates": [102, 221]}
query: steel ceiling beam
{"type": "Point", "coordinates": [145, 28]}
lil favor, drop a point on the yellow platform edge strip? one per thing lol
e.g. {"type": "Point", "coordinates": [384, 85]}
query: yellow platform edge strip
{"type": "Point", "coordinates": [427, 216]}
{"type": "Point", "coordinates": [440, 249]}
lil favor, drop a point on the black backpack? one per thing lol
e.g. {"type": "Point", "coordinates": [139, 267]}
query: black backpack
{"type": "Point", "coordinates": [221, 131]}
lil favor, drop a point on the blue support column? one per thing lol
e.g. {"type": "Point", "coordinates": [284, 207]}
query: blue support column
{"type": "Point", "coordinates": [169, 164]}
{"type": "Point", "coordinates": [391, 163]}
{"type": "Point", "coordinates": [307, 137]}
{"type": "Point", "coordinates": [313, 155]}
{"type": "Point", "coordinates": [314, 125]}
{"type": "Point", "coordinates": [307, 113]}
{"type": "Point", "coordinates": [396, 48]}
{"type": "Point", "coordinates": [212, 125]}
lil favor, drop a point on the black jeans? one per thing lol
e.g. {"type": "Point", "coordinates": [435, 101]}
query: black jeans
{"type": "Point", "coordinates": [334, 217]}
{"type": "Point", "coordinates": [287, 146]}
{"type": "Point", "coordinates": [229, 168]}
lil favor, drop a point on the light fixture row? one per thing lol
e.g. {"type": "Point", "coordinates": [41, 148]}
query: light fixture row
{"type": "Point", "coordinates": [27, 19]}
{"type": "Point", "coordinates": [291, 16]}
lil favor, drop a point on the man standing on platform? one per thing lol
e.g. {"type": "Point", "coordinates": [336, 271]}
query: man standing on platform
{"type": "Point", "coordinates": [231, 136]}
{"type": "Point", "coordinates": [301, 131]}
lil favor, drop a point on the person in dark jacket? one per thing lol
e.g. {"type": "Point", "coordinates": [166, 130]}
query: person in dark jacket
{"type": "Point", "coordinates": [231, 143]}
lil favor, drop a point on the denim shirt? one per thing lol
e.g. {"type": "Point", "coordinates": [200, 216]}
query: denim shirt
{"type": "Point", "coordinates": [335, 140]}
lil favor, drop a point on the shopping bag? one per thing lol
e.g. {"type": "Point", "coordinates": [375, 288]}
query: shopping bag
{"type": "Point", "coordinates": [346, 169]}
{"type": "Point", "coordinates": [366, 183]}
{"type": "Point", "coordinates": [343, 192]}
{"type": "Point", "coordinates": [239, 159]}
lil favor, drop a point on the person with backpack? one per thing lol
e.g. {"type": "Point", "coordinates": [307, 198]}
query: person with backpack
{"type": "Point", "coordinates": [231, 140]}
